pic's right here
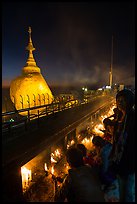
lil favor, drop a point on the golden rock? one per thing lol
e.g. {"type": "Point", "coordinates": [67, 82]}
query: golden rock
{"type": "Point", "coordinates": [30, 89]}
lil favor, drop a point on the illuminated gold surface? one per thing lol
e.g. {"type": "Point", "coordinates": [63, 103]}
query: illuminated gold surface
{"type": "Point", "coordinates": [30, 89]}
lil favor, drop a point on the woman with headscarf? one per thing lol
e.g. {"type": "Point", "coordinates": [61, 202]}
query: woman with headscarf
{"type": "Point", "coordinates": [123, 149]}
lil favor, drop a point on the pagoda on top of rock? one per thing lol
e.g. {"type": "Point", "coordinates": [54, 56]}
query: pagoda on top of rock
{"type": "Point", "coordinates": [30, 88]}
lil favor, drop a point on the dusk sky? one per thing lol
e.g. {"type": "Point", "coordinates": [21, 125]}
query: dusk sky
{"type": "Point", "coordinates": [72, 41]}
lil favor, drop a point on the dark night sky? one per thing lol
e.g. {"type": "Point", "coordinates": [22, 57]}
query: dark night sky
{"type": "Point", "coordinates": [72, 41]}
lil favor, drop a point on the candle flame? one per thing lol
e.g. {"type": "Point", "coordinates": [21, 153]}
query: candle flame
{"type": "Point", "coordinates": [88, 142]}
{"type": "Point", "coordinates": [26, 177]}
{"type": "Point", "coordinates": [97, 129]}
{"type": "Point", "coordinates": [53, 160]}
{"type": "Point", "coordinates": [45, 166]}
{"type": "Point", "coordinates": [57, 153]}
{"type": "Point", "coordinates": [52, 170]}
{"type": "Point", "coordinates": [70, 143]}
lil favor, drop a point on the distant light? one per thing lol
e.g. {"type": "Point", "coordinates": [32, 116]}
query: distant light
{"type": "Point", "coordinates": [100, 89]}
{"type": "Point", "coordinates": [11, 120]}
{"type": "Point", "coordinates": [86, 89]}
{"type": "Point", "coordinates": [108, 87]}
{"type": "Point", "coordinates": [83, 88]}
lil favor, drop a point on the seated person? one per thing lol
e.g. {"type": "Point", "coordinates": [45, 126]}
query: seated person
{"type": "Point", "coordinates": [104, 148]}
{"type": "Point", "coordinates": [87, 157]}
{"type": "Point", "coordinates": [109, 128]}
{"type": "Point", "coordinates": [81, 184]}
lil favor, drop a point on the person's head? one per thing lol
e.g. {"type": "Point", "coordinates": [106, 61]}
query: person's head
{"type": "Point", "coordinates": [107, 122]}
{"type": "Point", "coordinates": [116, 110]}
{"type": "Point", "coordinates": [109, 125]}
{"type": "Point", "coordinates": [125, 100]}
{"type": "Point", "coordinates": [82, 148]}
{"type": "Point", "coordinates": [98, 141]}
{"type": "Point", "coordinates": [117, 114]}
{"type": "Point", "coordinates": [74, 157]}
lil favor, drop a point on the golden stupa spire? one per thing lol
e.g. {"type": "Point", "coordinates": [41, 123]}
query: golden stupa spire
{"type": "Point", "coordinates": [30, 48]}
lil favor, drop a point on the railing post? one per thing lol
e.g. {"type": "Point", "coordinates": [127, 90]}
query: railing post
{"type": "Point", "coordinates": [28, 116]}
{"type": "Point", "coordinates": [65, 143]}
{"type": "Point", "coordinates": [38, 119]}
{"type": "Point", "coordinates": [58, 106]}
{"type": "Point", "coordinates": [46, 111]}
{"type": "Point", "coordinates": [52, 107]}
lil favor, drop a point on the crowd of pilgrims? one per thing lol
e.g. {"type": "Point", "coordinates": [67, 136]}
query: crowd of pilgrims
{"type": "Point", "coordinates": [106, 174]}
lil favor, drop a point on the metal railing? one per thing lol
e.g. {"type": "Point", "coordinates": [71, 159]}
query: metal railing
{"type": "Point", "coordinates": [8, 127]}
{"type": "Point", "coordinates": [12, 130]}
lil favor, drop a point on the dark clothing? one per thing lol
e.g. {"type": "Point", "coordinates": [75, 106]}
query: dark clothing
{"type": "Point", "coordinates": [107, 136]}
{"type": "Point", "coordinates": [104, 153]}
{"type": "Point", "coordinates": [123, 151]}
{"type": "Point", "coordinates": [80, 185]}
{"type": "Point", "coordinates": [127, 163]}
{"type": "Point", "coordinates": [89, 160]}
{"type": "Point", "coordinates": [125, 146]}
{"type": "Point", "coordinates": [106, 175]}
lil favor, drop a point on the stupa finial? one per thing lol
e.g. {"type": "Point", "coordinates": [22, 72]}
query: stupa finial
{"type": "Point", "coordinates": [29, 30]}
{"type": "Point", "coordinates": [30, 48]}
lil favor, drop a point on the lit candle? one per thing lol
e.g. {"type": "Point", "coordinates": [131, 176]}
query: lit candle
{"type": "Point", "coordinates": [29, 175]}
{"type": "Point", "coordinates": [46, 169]}
{"type": "Point", "coordinates": [72, 142]}
{"type": "Point", "coordinates": [52, 170]}
{"type": "Point", "coordinates": [52, 159]}
{"type": "Point", "coordinates": [45, 166]}
{"type": "Point", "coordinates": [57, 153]}
{"type": "Point", "coordinates": [26, 177]}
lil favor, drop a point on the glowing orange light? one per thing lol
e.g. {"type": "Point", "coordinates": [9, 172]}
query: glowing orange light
{"type": "Point", "coordinates": [52, 170]}
{"type": "Point", "coordinates": [26, 177]}
{"type": "Point", "coordinates": [45, 167]}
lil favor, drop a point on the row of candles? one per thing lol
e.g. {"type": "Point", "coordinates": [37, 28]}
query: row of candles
{"type": "Point", "coordinates": [27, 174]}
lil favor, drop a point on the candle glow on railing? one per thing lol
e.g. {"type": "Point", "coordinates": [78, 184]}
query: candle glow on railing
{"type": "Point", "coordinates": [103, 117]}
{"type": "Point", "coordinates": [52, 170]}
{"type": "Point", "coordinates": [57, 153]}
{"type": "Point", "coordinates": [52, 159]}
{"type": "Point", "coordinates": [97, 129]}
{"type": "Point", "coordinates": [55, 156]}
{"type": "Point", "coordinates": [70, 143]}
{"type": "Point", "coordinates": [111, 112]}
{"type": "Point", "coordinates": [26, 177]}
{"type": "Point", "coordinates": [45, 167]}
{"type": "Point", "coordinates": [79, 136]}
{"type": "Point", "coordinates": [88, 142]}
